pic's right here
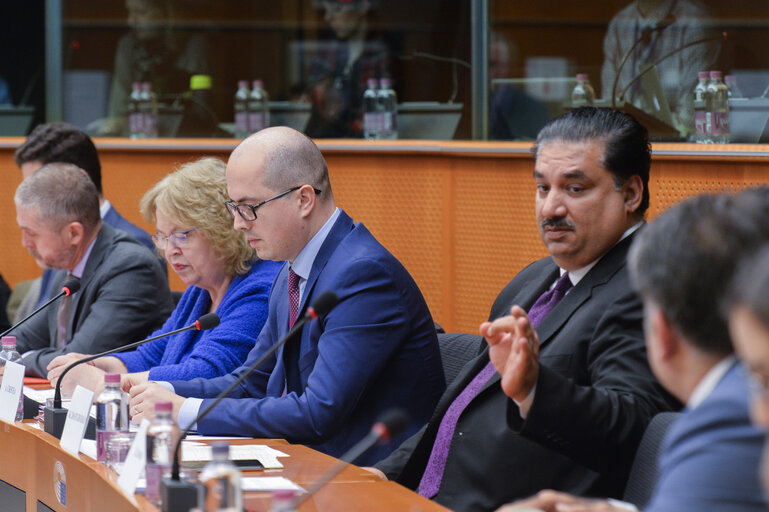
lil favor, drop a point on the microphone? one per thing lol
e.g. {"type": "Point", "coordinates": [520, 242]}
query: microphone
{"type": "Point", "coordinates": [178, 496]}
{"type": "Point", "coordinates": [55, 416]}
{"type": "Point", "coordinates": [391, 424]}
{"type": "Point", "coordinates": [67, 288]}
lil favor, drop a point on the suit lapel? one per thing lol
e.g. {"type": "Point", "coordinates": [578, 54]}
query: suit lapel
{"type": "Point", "coordinates": [608, 265]}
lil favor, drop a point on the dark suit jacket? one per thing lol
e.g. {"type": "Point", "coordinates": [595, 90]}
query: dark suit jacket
{"type": "Point", "coordinates": [375, 350]}
{"type": "Point", "coordinates": [123, 296]}
{"type": "Point", "coordinates": [594, 396]}
{"type": "Point", "coordinates": [712, 455]}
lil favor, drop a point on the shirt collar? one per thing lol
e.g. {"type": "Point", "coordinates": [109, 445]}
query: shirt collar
{"type": "Point", "coordinates": [302, 264]}
{"type": "Point", "coordinates": [80, 267]}
{"type": "Point", "coordinates": [577, 275]}
{"type": "Point", "coordinates": [104, 208]}
{"type": "Point", "coordinates": [708, 383]}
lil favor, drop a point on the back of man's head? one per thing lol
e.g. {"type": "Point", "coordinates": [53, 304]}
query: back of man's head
{"type": "Point", "coordinates": [292, 159]}
{"type": "Point", "coordinates": [60, 193]}
{"type": "Point", "coordinates": [626, 142]}
{"type": "Point", "coordinates": [684, 260]}
{"type": "Point", "coordinates": [61, 142]}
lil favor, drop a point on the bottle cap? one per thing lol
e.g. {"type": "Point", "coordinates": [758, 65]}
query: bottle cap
{"type": "Point", "coordinates": [372, 83]}
{"type": "Point", "coordinates": [283, 494]}
{"type": "Point", "coordinates": [146, 86]}
{"type": "Point", "coordinates": [257, 84]}
{"type": "Point", "coordinates": [703, 74]}
{"type": "Point", "coordinates": [220, 448]}
{"type": "Point", "coordinates": [715, 74]}
{"type": "Point", "coordinates": [9, 341]}
{"type": "Point", "coordinates": [242, 84]}
{"type": "Point", "coordinates": [198, 82]}
{"type": "Point", "coordinates": [581, 77]}
{"type": "Point", "coordinates": [163, 407]}
{"type": "Point", "coordinates": [136, 85]}
{"type": "Point", "coordinates": [386, 83]}
{"type": "Point", "coordinates": [112, 378]}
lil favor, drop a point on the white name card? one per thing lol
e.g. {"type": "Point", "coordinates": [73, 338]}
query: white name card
{"type": "Point", "coordinates": [135, 461]}
{"type": "Point", "coordinates": [10, 391]}
{"type": "Point", "coordinates": [77, 420]}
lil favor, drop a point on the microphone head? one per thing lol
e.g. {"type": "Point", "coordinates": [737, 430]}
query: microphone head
{"type": "Point", "coordinates": [324, 303]}
{"type": "Point", "coordinates": [71, 286]}
{"type": "Point", "coordinates": [207, 321]}
{"type": "Point", "coordinates": [392, 423]}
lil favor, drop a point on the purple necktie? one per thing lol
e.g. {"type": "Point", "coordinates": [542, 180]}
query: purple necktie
{"type": "Point", "coordinates": [293, 296]}
{"type": "Point", "coordinates": [431, 479]}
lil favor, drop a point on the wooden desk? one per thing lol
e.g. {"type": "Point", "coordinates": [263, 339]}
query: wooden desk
{"type": "Point", "coordinates": [34, 463]}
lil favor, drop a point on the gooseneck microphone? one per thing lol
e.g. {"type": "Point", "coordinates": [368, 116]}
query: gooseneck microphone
{"type": "Point", "coordinates": [391, 424]}
{"type": "Point", "coordinates": [180, 496]}
{"type": "Point", "coordinates": [67, 288]}
{"type": "Point", "coordinates": [58, 415]}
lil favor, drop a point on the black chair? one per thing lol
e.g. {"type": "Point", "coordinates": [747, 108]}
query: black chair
{"type": "Point", "coordinates": [644, 472]}
{"type": "Point", "coordinates": [457, 349]}
{"type": "Point", "coordinates": [176, 297]}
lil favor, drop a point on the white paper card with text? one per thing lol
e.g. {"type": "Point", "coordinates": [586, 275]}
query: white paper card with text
{"type": "Point", "coordinates": [77, 420]}
{"type": "Point", "coordinates": [10, 391]}
{"type": "Point", "coordinates": [134, 461]}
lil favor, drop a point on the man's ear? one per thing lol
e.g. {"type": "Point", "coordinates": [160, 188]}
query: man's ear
{"type": "Point", "coordinates": [665, 336]}
{"type": "Point", "coordinates": [307, 200]}
{"type": "Point", "coordinates": [74, 233]}
{"type": "Point", "coordinates": [633, 190]}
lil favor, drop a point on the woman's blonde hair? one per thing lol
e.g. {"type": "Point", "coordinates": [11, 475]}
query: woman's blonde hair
{"type": "Point", "coordinates": [194, 195]}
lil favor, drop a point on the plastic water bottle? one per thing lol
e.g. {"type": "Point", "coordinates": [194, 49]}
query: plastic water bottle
{"type": "Point", "coordinates": [388, 105]}
{"type": "Point", "coordinates": [149, 111]}
{"type": "Point", "coordinates": [9, 353]}
{"type": "Point", "coordinates": [258, 107]}
{"type": "Point", "coordinates": [372, 116]}
{"type": "Point", "coordinates": [241, 110]}
{"type": "Point", "coordinates": [111, 414]}
{"type": "Point", "coordinates": [135, 121]}
{"type": "Point", "coordinates": [734, 89]}
{"type": "Point", "coordinates": [583, 94]}
{"type": "Point", "coordinates": [283, 501]}
{"type": "Point", "coordinates": [220, 483]}
{"type": "Point", "coordinates": [718, 109]}
{"type": "Point", "coordinates": [700, 109]}
{"type": "Point", "coordinates": [162, 436]}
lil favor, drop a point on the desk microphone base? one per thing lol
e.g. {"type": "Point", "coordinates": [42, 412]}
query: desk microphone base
{"type": "Point", "coordinates": [55, 418]}
{"type": "Point", "coordinates": [178, 495]}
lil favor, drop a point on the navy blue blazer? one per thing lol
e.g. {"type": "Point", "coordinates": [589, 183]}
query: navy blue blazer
{"type": "Point", "coordinates": [375, 350]}
{"type": "Point", "coordinates": [712, 455]}
{"type": "Point", "coordinates": [114, 219]}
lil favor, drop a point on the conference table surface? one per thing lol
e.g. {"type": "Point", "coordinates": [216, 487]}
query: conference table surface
{"type": "Point", "coordinates": [33, 462]}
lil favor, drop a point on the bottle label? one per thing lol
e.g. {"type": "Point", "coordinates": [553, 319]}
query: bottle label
{"type": "Point", "coordinates": [256, 121]}
{"type": "Point", "coordinates": [102, 438]}
{"type": "Point", "coordinates": [154, 474]}
{"type": "Point", "coordinates": [150, 124]}
{"type": "Point", "coordinates": [241, 122]}
{"type": "Point", "coordinates": [371, 121]}
{"type": "Point", "coordinates": [722, 122]}
{"type": "Point", "coordinates": [136, 124]}
{"type": "Point", "coordinates": [699, 123]}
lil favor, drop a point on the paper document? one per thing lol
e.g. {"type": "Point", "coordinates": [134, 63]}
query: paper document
{"type": "Point", "coordinates": [268, 483]}
{"type": "Point", "coordinates": [196, 452]}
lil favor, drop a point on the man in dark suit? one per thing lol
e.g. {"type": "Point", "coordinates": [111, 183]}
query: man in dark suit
{"type": "Point", "coordinates": [682, 265]}
{"type": "Point", "coordinates": [375, 350]}
{"type": "Point", "coordinates": [62, 142]}
{"type": "Point", "coordinates": [583, 397]}
{"type": "Point", "coordinates": [123, 292]}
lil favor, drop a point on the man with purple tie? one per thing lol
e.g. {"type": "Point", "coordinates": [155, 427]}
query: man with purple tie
{"type": "Point", "coordinates": [583, 396]}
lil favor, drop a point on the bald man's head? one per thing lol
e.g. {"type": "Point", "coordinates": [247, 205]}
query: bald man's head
{"type": "Point", "coordinates": [289, 159]}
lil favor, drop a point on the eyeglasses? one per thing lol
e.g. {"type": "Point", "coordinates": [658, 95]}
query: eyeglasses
{"type": "Point", "coordinates": [178, 239]}
{"type": "Point", "coordinates": [247, 212]}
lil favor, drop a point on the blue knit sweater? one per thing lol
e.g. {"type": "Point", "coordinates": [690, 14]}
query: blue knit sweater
{"type": "Point", "coordinates": [217, 351]}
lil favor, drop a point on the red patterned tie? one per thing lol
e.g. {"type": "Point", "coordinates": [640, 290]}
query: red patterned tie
{"type": "Point", "coordinates": [293, 296]}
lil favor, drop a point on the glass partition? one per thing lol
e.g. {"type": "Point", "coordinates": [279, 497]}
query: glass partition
{"type": "Point", "coordinates": [342, 68]}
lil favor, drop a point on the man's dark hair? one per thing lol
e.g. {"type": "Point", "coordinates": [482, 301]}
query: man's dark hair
{"type": "Point", "coordinates": [749, 288]}
{"type": "Point", "coordinates": [684, 261]}
{"type": "Point", "coordinates": [626, 142]}
{"type": "Point", "coordinates": [61, 142]}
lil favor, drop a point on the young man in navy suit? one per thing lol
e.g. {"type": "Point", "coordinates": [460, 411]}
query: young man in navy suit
{"type": "Point", "coordinates": [375, 350]}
